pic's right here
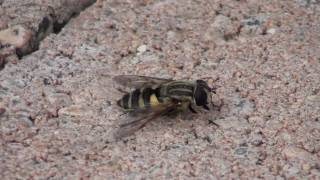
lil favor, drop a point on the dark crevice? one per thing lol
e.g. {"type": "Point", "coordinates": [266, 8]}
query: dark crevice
{"type": "Point", "coordinates": [57, 27]}
{"type": "Point", "coordinates": [20, 53]}
{"type": "Point", "coordinates": [49, 24]}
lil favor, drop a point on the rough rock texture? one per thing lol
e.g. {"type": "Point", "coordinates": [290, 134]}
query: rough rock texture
{"type": "Point", "coordinates": [57, 109]}
{"type": "Point", "coordinates": [23, 24]}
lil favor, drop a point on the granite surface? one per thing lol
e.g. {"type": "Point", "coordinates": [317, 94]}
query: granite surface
{"type": "Point", "coordinates": [57, 101]}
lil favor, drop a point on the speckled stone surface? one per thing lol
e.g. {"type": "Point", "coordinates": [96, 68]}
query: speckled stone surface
{"type": "Point", "coordinates": [57, 105]}
{"type": "Point", "coordinates": [24, 24]}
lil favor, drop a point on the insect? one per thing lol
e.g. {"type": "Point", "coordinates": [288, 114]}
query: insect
{"type": "Point", "coordinates": [153, 97]}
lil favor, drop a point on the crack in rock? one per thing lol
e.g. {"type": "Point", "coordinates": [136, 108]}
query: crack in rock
{"type": "Point", "coordinates": [23, 37]}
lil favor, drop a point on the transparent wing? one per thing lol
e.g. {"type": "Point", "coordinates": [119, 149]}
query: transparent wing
{"type": "Point", "coordinates": [138, 120]}
{"type": "Point", "coordinates": [134, 81]}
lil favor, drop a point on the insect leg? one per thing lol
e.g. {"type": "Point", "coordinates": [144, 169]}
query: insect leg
{"type": "Point", "coordinates": [213, 90]}
{"type": "Point", "coordinates": [212, 122]}
{"type": "Point", "coordinates": [191, 109]}
{"type": "Point", "coordinates": [206, 107]}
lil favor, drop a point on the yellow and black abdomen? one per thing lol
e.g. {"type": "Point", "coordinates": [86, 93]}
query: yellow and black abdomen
{"type": "Point", "coordinates": [140, 99]}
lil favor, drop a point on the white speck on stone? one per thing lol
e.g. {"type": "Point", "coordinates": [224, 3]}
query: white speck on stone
{"type": "Point", "coordinates": [271, 31]}
{"type": "Point", "coordinates": [141, 49]}
{"type": "Point", "coordinates": [313, 98]}
{"type": "Point", "coordinates": [75, 111]}
{"type": "Point", "coordinates": [171, 35]}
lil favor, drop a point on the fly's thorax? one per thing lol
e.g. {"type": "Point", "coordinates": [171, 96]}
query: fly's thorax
{"type": "Point", "coordinates": [181, 90]}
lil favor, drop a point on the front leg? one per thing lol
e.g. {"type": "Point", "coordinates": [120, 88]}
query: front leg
{"type": "Point", "coordinates": [191, 109]}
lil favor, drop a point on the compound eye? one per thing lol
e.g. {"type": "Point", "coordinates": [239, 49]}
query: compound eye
{"type": "Point", "coordinates": [200, 81]}
{"type": "Point", "coordinates": [201, 96]}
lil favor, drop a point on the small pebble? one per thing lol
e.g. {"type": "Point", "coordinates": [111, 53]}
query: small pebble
{"type": "Point", "coordinates": [271, 31]}
{"type": "Point", "coordinates": [141, 49]}
{"type": "Point", "coordinates": [241, 151]}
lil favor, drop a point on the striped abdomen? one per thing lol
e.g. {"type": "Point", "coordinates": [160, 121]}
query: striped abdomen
{"type": "Point", "coordinates": [140, 99]}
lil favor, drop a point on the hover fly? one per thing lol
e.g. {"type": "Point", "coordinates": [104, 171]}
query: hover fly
{"type": "Point", "coordinates": [153, 97]}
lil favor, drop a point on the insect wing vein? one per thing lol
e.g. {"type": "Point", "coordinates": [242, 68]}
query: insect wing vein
{"type": "Point", "coordinates": [133, 81]}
